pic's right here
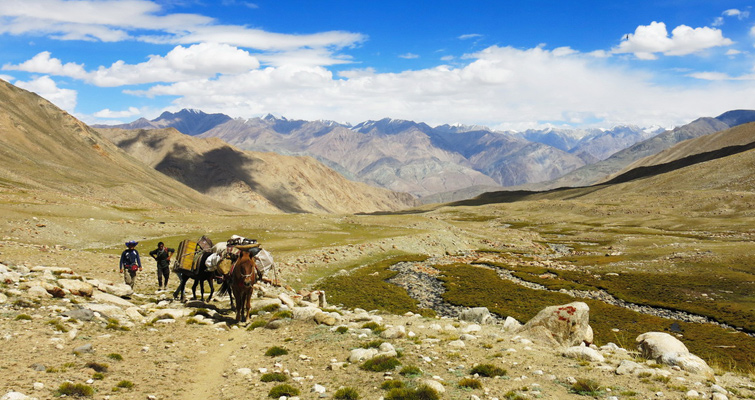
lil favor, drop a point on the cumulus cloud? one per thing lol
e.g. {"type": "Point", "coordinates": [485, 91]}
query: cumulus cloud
{"type": "Point", "coordinates": [107, 113]}
{"type": "Point", "coordinates": [145, 21]}
{"type": "Point", "coordinates": [648, 40]}
{"type": "Point", "coordinates": [203, 60]}
{"type": "Point", "coordinates": [519, 86]}
{"type": "Point", "coordinates": [47, 88]}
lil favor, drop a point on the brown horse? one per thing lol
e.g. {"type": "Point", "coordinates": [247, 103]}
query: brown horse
{"type": "Point", "coordinates": [243, 278]}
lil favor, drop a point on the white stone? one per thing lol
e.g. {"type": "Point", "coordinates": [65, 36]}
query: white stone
{"type": "Point", "coordinates": [319, 389]}
{"type": "Point", "coordinates": [437, 386]}
{"type": "Point", "coordinates": [244, 371]}
{"type": "Point", "coordinates": [692, 394]}
{"type": "Point", "coordinates": [393, 332]}
{"type": "Point", "coordinates": [457, 343]}
{"type": "Point", "coordinates": [471, 328]}
{"type": "Point", "coordinates": [583, 353]}
{"type": "Point", "coordinates": [562, 325]}
{"type": "Point", "coordinates": [719, 396]}
{"type": "Point", "coordinates": [360, 354]}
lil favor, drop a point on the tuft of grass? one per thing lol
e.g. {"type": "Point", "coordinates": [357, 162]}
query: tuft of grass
{"type": "Point", "coordinates": [115, 356]}
{"type": "Point", "coordinates": [97, 366]}
{"type": "Point", "coordinates": [380, 364]}
{"type": "Point", "coordinates": [98, 376]}
{"type": "Point", "coordinates": [257, 323]}
{"type": "Point", "coordinates": [373, 344]}
{"type": "Point", "coordinates": [470, 383]}
{"type": "Point", "coordinates": [274, 377]}
{"type": "Point", "coordinates": [286, 314]}
{"type": "Point", "coordinates": [410, 371]}
{"type": "Point", "coordinates": [373, 326]}
{"type": "Point", "coordinates": [487, 370]}
{"type": "Point", "coordinates": [23, 317]}
{"type": "Point", "coordinates": [276, 351]}
{"type": "Point", "coordinates": [271, 307]}
{"type": "Point", "coordinates": [391, 384]}
{"type": "Point", "coordinates": [57, 325]}
{"type": "Point", "coordinates": [283, 390]}
{"type": "Point", "coordinates": [423, 392]}
{"type": "Point", "coordinates": [74, 390]}
{"type": "Point", "coordinates": [512, 395]}
{"type": "Point", "coordinates": [342, 329]}
{"type": "Point", "coordinates": [586, 387]}
{"type": "Point", "coordinates": [124, 384]}
{"type": "Point", "coordinates": [347, 393]}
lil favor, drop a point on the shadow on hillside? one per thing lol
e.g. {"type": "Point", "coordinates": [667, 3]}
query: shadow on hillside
{"type": "Point", "coordinates": [645, 172]}
{"type": "Point", "coordinates": [222, 168]}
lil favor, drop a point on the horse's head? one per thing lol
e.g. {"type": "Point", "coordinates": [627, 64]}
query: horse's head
{"type": "Point", "coordinates": [246, 269]}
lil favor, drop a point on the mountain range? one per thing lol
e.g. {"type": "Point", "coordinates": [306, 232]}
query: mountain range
{"type": "Point", "coordinates": [47, 154]}
{"type": "Point", "coordinates": [413, 157]}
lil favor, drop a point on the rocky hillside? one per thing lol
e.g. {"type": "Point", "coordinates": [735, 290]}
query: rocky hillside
{"type": "Point", "coordinates": [599, 171]}
{"type": "Point", "coordinates": [48, 152]}
{"type": "Point", "coordinates": [256, 181]}
{"type": "Point", "coordinates": [82, 334]}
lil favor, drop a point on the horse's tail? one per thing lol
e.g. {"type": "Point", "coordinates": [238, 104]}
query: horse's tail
{"type": "Point", "coordinates": [225, 287]}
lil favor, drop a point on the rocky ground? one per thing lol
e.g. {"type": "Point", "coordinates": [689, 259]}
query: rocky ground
{"type": "Point", "coordinates": [146, 346]}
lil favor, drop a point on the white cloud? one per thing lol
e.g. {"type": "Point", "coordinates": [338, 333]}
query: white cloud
{"type": "Point", "coordinates": [142, 20]}
{"type": "Point", "coordinates": [470, 36]}
{"type": "Point", "coordinates": [409, 56]}
{"type": "Point", "coordinates": [736, 13]}
{"type": "Point", "coordinates": [47, 88]}
{"type": "Point", "coordinates": [648, 40]}
{"type": "Point", "coordinates": [497, 84]}
{"type": "Point", "coordinates": [107, 113]}
{"type": "Point", "coordinates": [182, 63]}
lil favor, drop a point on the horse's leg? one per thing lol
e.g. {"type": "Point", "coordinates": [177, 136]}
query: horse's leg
{"type": "Point", "coordinates": [248, 304]}
{"type": "Point", "coordinates": [212, 288]}
{"type": "Point", "coordinates": [181, 287]}
{"type": "Point", "coordinates": [194, 288]}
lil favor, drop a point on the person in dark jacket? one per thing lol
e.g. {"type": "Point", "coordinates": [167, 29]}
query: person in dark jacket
{"type": "Point", "coordinates": [162, 255]}
{"type": "Point", "coordinates": [130, 263]}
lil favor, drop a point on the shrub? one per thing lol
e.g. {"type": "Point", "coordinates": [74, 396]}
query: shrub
{"type": "Point", "coordinates": [410, 371]}
{"type": "Point", "coordinates": [283, 390]}
{"type": "Point", "coordinates": [391, 384]}
{"type": "Point", "coordinates": [125, 384]}
{"type": "Point", "coordinates": [286, 314]}
{"type": "Point", "coordinates": [380, 364]}
{"type": "Point", "coordinates": [487, 370]}
{"type": "Point", "coordinates": [258, 323]}
{"type": "Point", "coordinates": [115, 356]}
{"type": "Point", "coordinates": [470, 383]}
{"type": "Point", "coordinates": [342, 329]}
{"type": "Point", "coordinates": [57, 325]}
{"type": "Point", "coordinates": [271, 307]}
{"type": "Point", "coordinates": [98, 376]}
{"type": "Point", "coordinates": [423, 392]}
{"type": "Point", "coordinates": [74, 390]}
{"type": "Point", "coordinates": [276, 351]}
{"type": "Point", "coordinates": [97, 366]}
{"type": "Point", "coordinates": [347, 393]}
{"type": "Point", "coordinates": [586, 387]}
{"type": "Point", "coordinates": [374, 344]}
{"type": "Point", "coordinates": [274, 377]}
{"type": "Point", "coordinates": [512, 395]}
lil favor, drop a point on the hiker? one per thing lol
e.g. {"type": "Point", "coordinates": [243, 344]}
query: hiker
{"type": "Point", "coordinates": [130, 263]}
{"type": "Point", "coordinates": [162, 255]}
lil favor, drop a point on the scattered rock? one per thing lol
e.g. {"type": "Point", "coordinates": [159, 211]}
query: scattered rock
{"type": "Point", "coordinates": [669, 350]}
{"type": "Point", "coordinates": [478, 315]}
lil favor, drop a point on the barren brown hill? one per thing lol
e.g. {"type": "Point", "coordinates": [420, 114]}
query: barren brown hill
{"type": "Point", "coordinates": [47, 152]}
{"type": "Point", "coordinates": [260, 182]}
{"type": "Point", "coordinates": [705, 148]}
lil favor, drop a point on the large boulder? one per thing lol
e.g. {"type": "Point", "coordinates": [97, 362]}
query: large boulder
{"type": "Point", "coordinates": [666, 349]}
{"type": "Point", "coordinates": [565, 325]}
{"type": "Point", "coordinates": [76, 287]}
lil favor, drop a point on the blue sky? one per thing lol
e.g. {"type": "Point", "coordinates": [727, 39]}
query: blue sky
{"type": "Point", "coordinates": [504, 64]}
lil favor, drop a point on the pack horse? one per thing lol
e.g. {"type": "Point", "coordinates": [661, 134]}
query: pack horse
{"type": "Point", "coordinates": [244, 275]}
